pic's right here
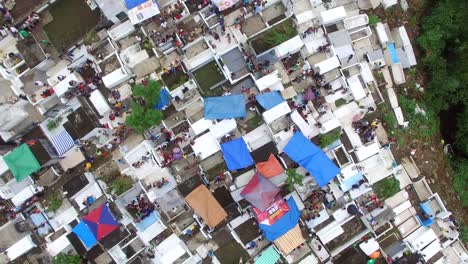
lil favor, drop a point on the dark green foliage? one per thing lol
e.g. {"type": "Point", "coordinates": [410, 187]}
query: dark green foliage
{"type": "Point", "coordinates": [327, 139]}
{"type": "Point", "coordinates": [144, 115]}
{"type": "Point", "coordinates": [63, 258]}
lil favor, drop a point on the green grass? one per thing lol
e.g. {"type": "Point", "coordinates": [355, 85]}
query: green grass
{"type": "Point", "coordinates": [274, 36]}
{"type": "Point", "coordinates": [72, 19]}
{"type": "Point", "coordinates": [208, 75]}
{"type": "Point", "coordinates": [215, 171]}
{"type": "Point", "coordinates": [386, 188]}
{"type": "Point", "coordinates": [340, 102]}
{"type": "Point", "coordinates": [174, 80]}
{"type": "Point", "coordinates": [55, 201]}
{"type": "Point", "coordinates": [373, 20]}
{"type": "Point", "coordinates": [421, 126]}
{"type": "Point", "coordinates": [255, 121]}
{"type": "Point", "coordinates": [327, 139]}
{"type": "Point", "coordinates": [121, 185]}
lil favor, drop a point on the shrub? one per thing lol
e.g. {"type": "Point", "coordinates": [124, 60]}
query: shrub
{"type": "Point", "coordinates": [387, 187]}
{"type": "Point", "coordinates": [329, 138]}
{"type": "Point", "coordinates": [373, 20]}
{"type": "Point", "coordinates": [144, 115]}
{"type": "Point", "coordinates": [55, 201]}
{"type": "Point", "coordinates": [293, 178]}
{"type": "Point", "coordinates": [63, 258]}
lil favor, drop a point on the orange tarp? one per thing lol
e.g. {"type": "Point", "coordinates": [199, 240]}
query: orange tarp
{"type": "Point", "coordinates": [270, 168]}
{"type": "Point", "coordinates": [206, 206]}
{"type": "Point", "coordinates": [289, 241]}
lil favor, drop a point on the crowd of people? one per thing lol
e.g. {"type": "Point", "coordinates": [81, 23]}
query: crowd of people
{"type": "Point", "coordinates": [366, 129]}
{"type": "Point", "coordinates": [140, 208]}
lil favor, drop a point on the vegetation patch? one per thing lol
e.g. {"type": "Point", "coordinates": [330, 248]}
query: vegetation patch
{"type": "Point", "coordinates": [329, 138]}
{"type": "Point", "coordinates": [54, 201]}
{"type": "Point", "coordinates": [293, 178]}
{"type": "Point", "coordinates": [174, 78]}
{"type": "Point", "coordinates": [274, 36]}
{"type": "Point", "coordinates": [63, 258]}
{"type": "Point", "coordinates": [386, 188]}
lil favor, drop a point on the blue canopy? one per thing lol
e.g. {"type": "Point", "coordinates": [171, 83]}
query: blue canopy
{"type": "Point", "coordinates": [236, 154]}
{"type": "Point", "coordinates": [164, 99]}
{"type": "Point", "coordinates": [430, 216]}
{"type": "Point", "coordinates": [269, 100]}
{"type": "Point", "coordinates": [133, 3]}
{"type": "Point", "coordinates": [284, 224]}
{"type": "Point", "coordinates": [223, 107]}
{"type": "Point", "coordinates": [312, 158]}
{"type": "Point", "coordinates": [84, 233]}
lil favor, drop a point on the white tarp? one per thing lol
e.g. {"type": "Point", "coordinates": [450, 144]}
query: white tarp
{"type": "Point", "coordinates": [356, 88]}
{"type": "Point", "coordinates": [289, 47]}
{"type": "Point", "coordinates": [99, 102]}
{"type": "Point", "coordinates": [327, 65]}
{"type": "Point", "coordinates": [332, 15]}
{"type": "Point", "coordinates": [144, 11]}
{"type": "Point", "coordinates": [276, 112]}
{"type": "Point", "coordinates": [19, 248]}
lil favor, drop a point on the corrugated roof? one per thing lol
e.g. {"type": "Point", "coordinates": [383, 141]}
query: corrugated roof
{"type": "Point", "coordinates": [291, 240]}
{"type": "Point", "coordinates": [268, 256]}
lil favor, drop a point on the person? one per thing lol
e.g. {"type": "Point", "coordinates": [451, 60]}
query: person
{"type": "Point", "coordinates": [24, 97]}
{"type": "Point", "coordinates": [39, 83]}
{"type": "Point", "coordinates": [88, 166]}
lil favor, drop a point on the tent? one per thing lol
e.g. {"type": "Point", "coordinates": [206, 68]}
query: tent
{"type": "Point", "coordinates": [224, 4]}
{"type": "Point", "coordinates": [101, 222]}
{"type": "Point", "coordinates": [290, 240]}
{"type": "Point", "coordinates": [95, 226]}
{"type": "Point", "coordinates": [21, 162]}
{"type": "Point", "coordinates": [223, 107]}
{"type": "Point", "coordinates": [164, 99]}
{"type": "Point", "coordinates": [284, 224]}
{"type": "Point", "coordinates": [269, 100]}
{"type": "Point", "coordinates": [260, 192]}
{"type": "Point", "coordinates": [271, 167]}
{"type": "Point", "coordinates": [236, 154]}
{"type": "Point", "coordinates": [85, 234]}
{"type": "Point", "coordinates": [206, 206]}
{"type": "Point", "coordinates": [312, 158]}
{"type": "Point", "coordinates": [268, 256]}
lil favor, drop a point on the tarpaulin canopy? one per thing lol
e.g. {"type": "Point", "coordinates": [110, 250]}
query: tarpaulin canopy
{"type": "Point", "coordinates": [85, 234]}
{"type": "Point", "coordinates": [224, 4]}
{"type": "Point", "coordinates": [101, 222]}
{"type": "Point", "coordinates": [223, 107]}
{"type": "Point", "coordinates": [133, 3]}
{"type": "Point", "coordinates": [269, 100]}
{"type": "Point", "coordinates": [276, 210]}
{"type": "Point", "coordinates": [312, 158]}
{"type": "Point", "coordinates": [268, 256]}
{"type": "Point", "coordinates": [21, 162]}
{"type": "Point", "coordinates": [290, 240]}
{"type": "Point", "coordinates": [284, 224]}
{"type": "Point", "coordinates": [164, 99]}
{"type": "Point", "coordinates": [236, 154]}
{"type": "Point", "coordinates": [270, 168]}
{"type": "Point", "coordinates": [260, 192]}
{"type": "Point", "coordinates": [206, 206]}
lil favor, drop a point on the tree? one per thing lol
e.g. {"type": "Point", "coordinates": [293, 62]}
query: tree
{"type": "Point", "coordinates": [149, 92]}
{"type": "Point", "coordinates": [63, 258]}
{"type": "Point", "coordinates": [293, 178]}
{"type": "Point", "coordinates": [142, 118]}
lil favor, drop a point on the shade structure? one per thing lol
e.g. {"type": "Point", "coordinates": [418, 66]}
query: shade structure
{"type": "Point", "coordinates": [236, 154]}
{"type": "Point", "coordinates": [271, 167]}
{"type": "Point", "coordinates": [222, 107]}
{"type": "Point", "coordinates": [269, 100]}
{"type": "Point", "coordinates": [206, 206]}
{"type": "Point", "coordinates": [101, 222]}
{"type": "Point", "coordinates": [224, 4]}
{"type": "Point", "coordinates": [164, 99]}
{"type": "Point", "coordinates": [21, 162]}
{"type": "Point", "coordinates": [268, 256]}
{"type": "Point", "coordinates": [290, 240]}
{"type": "Point", "coordinates": [282, 225]}
{"type": "Point", "coordinates": [312, 158]}
{"type": "Point", "coordinates": [85, 235]}
{"type": "Point", "coordinates": [260, 192]}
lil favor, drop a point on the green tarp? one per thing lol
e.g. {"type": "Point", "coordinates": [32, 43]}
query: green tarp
{"type": "Point", "coordinates": [21, 162]}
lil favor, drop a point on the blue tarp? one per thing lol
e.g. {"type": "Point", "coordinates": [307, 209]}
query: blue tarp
{"type": "Point", "coordinates": [312, 158]}
{"type": "Point", "coordinates": [236, 154]}
{"type": "Point", "coordinates": [393, 53]}
{"type": "Point", "coordinates": [133, 3]}
{"type": "Point", "coordinates": [147, 221]}
{"type": "Point", "coordinates": [85, 235]}
{"type": "Point", "coordinates": [269, 100]}
{"type": "Point", "coordinates": [164, 99]}
{"type": "Point", "coordinates": [223, 107]}
{"type": "Point", "coordinates": [284, 224]}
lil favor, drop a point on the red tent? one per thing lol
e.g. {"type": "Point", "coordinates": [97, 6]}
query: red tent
{"type": "Point", "coordinates": [260, 192]}
{"type": "Point", "coordinates": [101, 222]}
